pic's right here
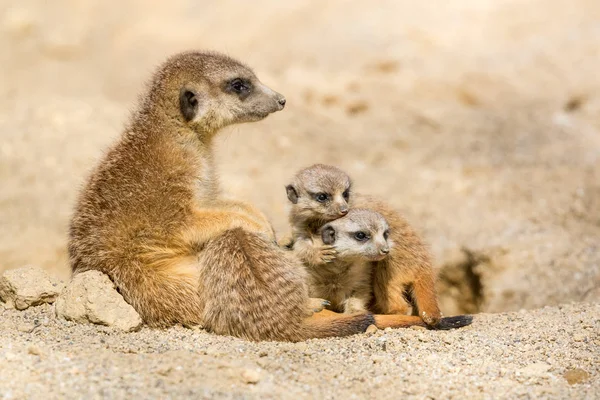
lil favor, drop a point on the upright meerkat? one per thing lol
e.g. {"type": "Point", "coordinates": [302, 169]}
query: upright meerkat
{"type": "Point", "coordinates": [322, 193]}
{"type": "Point", "coordinates": [360, 239]}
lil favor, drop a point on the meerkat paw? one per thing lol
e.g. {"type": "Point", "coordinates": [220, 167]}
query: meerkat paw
{"type": "Point", "coordinates": [431, 318]}
{"type": "Point", "coordinates": [286, 242]}
{"type": "Point", "coordinates": [326, 254]}
{"type": "Point", "coordinates": [354, 305]}
{"type": "Point", "coordinates": [316, 304]}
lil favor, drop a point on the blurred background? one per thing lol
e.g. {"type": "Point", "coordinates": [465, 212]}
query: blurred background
{"type": "Point", "coordinates": [479, 119]}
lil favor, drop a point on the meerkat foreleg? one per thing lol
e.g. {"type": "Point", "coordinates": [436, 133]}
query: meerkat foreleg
{"type": "Point", "coordinates": [391, 297]}
{"type": "Point", "coordinates": [314, 253]}
{"type": "Point", "coordinates": [209, 223]}
{"type": "Point", "coordinates": [245, 208]}
{"type": "Point", "coordinates": [425, 299]}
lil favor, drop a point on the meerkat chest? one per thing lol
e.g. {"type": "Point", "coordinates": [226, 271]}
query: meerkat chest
{"type": "Point", "coordinates": [206, 185]}
{"type": "Point", "coordinates": [338, 281]}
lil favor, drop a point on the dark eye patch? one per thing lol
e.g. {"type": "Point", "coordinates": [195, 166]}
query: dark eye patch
{"type": "Point", "coordinates": [386, 234]}
{"type": "Point", "coordinates": [321, 197]}
{"type": "Point", "coordinates": [240, 86]}
{"type": "Point", "coordinates": [361, 236]}
{"type": "Point", "coordinates": [346, 194]}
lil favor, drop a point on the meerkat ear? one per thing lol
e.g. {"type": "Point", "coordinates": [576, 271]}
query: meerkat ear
{"type": "Point", "coordinates": [189, 103]}
{"type": "Point", "coordinates": [292, 195]}
{"type": "Point", "coordinates": [328, 235]}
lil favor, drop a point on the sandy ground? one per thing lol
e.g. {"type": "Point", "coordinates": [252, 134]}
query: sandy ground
{"type": "Point", "coordinates": [499, 356]}
{"type": "Point", "coordinates": [480, 119]}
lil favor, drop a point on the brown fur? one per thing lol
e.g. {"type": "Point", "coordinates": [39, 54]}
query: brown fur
{"type": "Point", "coordinates": [151, 216]}
{"type": "Point", "coordinates": [347, 281]}
{"type": "Point", "coordinates": [406, 271]}
{"type": "Point", "coordinates": [408, 267]}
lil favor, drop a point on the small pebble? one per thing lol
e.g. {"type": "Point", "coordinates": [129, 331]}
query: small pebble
{"type": "Point", "coordinates": [377, 358]}
{"type": "Point", "coordinates": [578, 338]}
{"type": "Point", "coordinates": [576, 375]}
{"type": "Point", "coordinates": [251, 376]}
{"type": "Point", "coordinates": [34, 350]}
{"type": "Point", "coordinates": [382, 342]}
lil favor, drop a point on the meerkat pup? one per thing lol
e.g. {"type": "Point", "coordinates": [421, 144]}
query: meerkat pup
{"type": "Point", "coordinates": [152, 217]}
{"type": "Point", "coordinates": [320, 194]}
{"type": "Point", "coordinates": [360, 239]}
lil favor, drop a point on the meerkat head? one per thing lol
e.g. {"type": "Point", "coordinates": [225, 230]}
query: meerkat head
{"type": "Point", "coordinates": [207, 91]}
{"type": "Point", "coordinates": [320, 192]}
{"type": "Point", "coordinates": [362, 234]}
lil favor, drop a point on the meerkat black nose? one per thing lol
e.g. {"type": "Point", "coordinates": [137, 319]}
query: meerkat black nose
{"type": "Point", "coordinates": [344, 211]}
{"type": "Point", "coordinates": [385, 251]}
{"type": "Point", "coordinates": [281, 101]}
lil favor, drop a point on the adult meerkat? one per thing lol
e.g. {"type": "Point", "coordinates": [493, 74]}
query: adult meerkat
{"type": "Point", "coordinates": [360, 239]}
{"type": "Point", "coordinates": [152, 218]}
{"type": "Point", "coordinates": [322, 193]}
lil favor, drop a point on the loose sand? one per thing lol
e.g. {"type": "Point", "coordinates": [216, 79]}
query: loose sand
{"type": "Point", "coordinates": [480, 119]}
{"type": "Point", "coordinates": [513, 355]}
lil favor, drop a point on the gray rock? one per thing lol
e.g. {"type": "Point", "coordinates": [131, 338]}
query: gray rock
{"type": "Point", "coordinates": [91, 297]}
{"type": "Point", "coordinates": [28, 286]}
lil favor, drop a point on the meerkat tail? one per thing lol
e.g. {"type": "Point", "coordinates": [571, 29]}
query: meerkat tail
{"type": "Point", "coordinates": [329, 324]}
{"type": "Point", "coordinates": [383, 321]}
{"type": "Point", "coordinates": [405, 321]}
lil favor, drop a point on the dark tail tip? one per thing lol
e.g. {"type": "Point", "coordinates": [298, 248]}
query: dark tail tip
{"type": "Point", "coordinates": [455, 322]}
{"type": "Point", "coordinates": [354, 324]}
{"type": "Point", "coordinates": [367, 321]}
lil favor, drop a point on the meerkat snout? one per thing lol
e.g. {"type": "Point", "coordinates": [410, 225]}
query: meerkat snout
{"type": "Point", "coordinates": [277, 98]}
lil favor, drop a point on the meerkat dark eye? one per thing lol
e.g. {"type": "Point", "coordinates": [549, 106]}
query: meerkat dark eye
{"type": "Point", "coordinates": [386, 234]}
{"type": "Point", "coordinates": [239, 86]}
{"type": "Point", "coordinates": [361, 236]}
{"type": "Point", "coordinates": [321, 197]}
{"type": "Point", "coordinates": [346, 194]}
